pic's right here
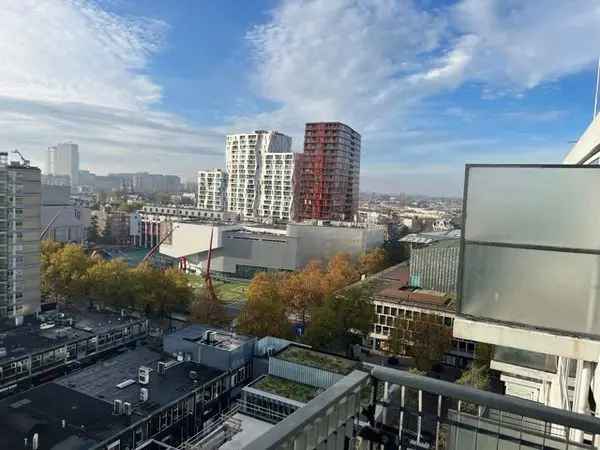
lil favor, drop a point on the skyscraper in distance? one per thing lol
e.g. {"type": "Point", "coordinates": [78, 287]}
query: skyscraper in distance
{"type": "Point", "coordinates": [63, 159]}
{"type": "Point", "coordinates": [328, 174]}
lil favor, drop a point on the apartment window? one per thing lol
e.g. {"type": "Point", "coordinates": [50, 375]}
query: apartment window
{"type": "Point", "coordinates": [386, 310]}
{"type": "Point", "coordinates": [379, 309]}
{"type": "Point", "coordinates": [448, 321]}
{"type": "Point", "coordinates": [378, 329]}
{"type": "Point", "coordinates": [394, 311]}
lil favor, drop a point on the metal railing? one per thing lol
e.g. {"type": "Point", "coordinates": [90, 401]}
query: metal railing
{"type": "Point", "coordinates": [427, 413]}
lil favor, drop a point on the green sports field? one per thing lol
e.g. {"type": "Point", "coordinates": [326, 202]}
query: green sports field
{"type": "Point", "coordinates": [227, 291]}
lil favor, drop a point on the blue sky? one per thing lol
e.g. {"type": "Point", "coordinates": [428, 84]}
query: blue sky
{"type": "Point", "coordinates": [430, 85]}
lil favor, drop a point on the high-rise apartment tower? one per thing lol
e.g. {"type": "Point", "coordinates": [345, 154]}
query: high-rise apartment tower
{"type": "Point", "coordinates": [212, 185]}
{"type": "Point", "coordinates": [260, 172]}
{"type": "Point", "coordinates": [63, 159]}
{"type": "Point", "coordinates": [328, 173]}
{"type": "Point", "coordinates": [20, 228]}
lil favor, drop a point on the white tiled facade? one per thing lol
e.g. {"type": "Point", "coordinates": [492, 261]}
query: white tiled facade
{"type": "Point", "coordinates": [248, 156]}
{"type": "Point", "coordinates": [212, 185]}
{"type": "Point", "coordinates": [276, 185]}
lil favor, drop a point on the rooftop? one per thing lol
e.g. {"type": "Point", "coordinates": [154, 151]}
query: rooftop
{"type": "Point", "coordinates": [320, 360]}
{"type": "Point", "coordinates": [88, 421]}
{"type": "Point", "coordinates": [101, 380]}
{"type": "Point", "coordinates": [217, 338]}
{"type": "Point", "coordinates": [400, 293]}
{"type": "Point", "coordinates": [431, 237]}
{"type": "Point", "coordinates": [286, 388]}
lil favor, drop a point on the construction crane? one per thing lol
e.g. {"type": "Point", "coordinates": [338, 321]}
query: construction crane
{"type": "Point", "coordinates": [154, 249]}
{"type": "Point", "coordinates": [25, 162]}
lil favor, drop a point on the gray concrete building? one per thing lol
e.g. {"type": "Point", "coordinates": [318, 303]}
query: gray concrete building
{"type": "Point", "coordinates": [19, 239]}
{"type": "Point", "coordinates": [240, 250]}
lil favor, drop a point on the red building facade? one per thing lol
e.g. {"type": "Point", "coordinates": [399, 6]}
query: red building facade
{"type": "Point", "coordinates": [328, 173]}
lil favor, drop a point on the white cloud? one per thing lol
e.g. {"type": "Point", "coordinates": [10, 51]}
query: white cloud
{"type": "Point", "coordinates": [71, 70]}
{"type": "Point", "coordinates": [372, 63]}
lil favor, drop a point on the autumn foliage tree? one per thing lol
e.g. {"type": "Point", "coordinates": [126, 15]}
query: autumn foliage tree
{"type": "Point", "coordinates": [341, 271]}
{"type": "Point", "coordinates": [426, 339]}
{"type": "Point", "coordinates": [265, 314]}
{"type": "Point", "coordinates": [341, 320]}
{"type": "Point", "coordinates": [301, 291]}
{"type": "Point", "coordinates": [373, 261]}
{"type": "Point", "coordinates": [208, 310]}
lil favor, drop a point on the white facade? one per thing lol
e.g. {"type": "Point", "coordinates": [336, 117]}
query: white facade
{"type": "Point", "coordinates": [63, 159]}
{"type": "Point", "coordinates": [276, 185]}
{"type": "Point", "coordinates": [212, 185]}
{"type": "Point", "coordinates": [249, 165]}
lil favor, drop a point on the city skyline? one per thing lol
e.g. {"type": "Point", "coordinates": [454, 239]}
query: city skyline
{"type": "Point", "coordinates": [429, 87]}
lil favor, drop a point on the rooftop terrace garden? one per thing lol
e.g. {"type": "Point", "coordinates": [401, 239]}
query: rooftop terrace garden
{"type": "Point", "coordinates": [312, 358]}
{"type": "Point", "coordinates": [286, 388]}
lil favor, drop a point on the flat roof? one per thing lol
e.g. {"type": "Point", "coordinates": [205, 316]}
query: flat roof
{"type": "Point", "coordinates": [29, 338]}
{"type": "Point", "coordinates": [251, 428]}
{"type": "Point", "coordinates": [100, 380]}
{"type": "Point", "coordinates": [219, 338]}
{"type": "Point", "coordinates": [399, 292]}
{"type": "Point", "coordinates": [283, 387]}
{"type": "Point", "coordinates": [320, 360]}
{"type": "Point", "coordinates": [41, 410]}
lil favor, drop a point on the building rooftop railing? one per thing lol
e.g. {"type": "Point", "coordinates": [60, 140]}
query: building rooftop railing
{"type": "Point", "coordinates": [419, 412]}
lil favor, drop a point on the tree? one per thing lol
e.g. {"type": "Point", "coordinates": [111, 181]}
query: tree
{"type": "Point", "coordinates": [64, 274]}
{"type": "Point", "coordinates": [93, 234]}
{"type": "Point", "coordinates": [342, 320]}
{"type": "Point", "coordinates": [48, 249]}
{"type": "Point", "coordinates": [301, 291]}
{"type": "Point", "coordinates": [396, 251]}
{"type": "Point", "coordinates": [107, 237]}
{"type": "Point", "coordinates": [373, 261]}
{"type": "Point", "coordinates": [425, 339]}
{"type": "Point", "coordinates": [265, 314]}
{"type": "Point", "coordinates": [341, 271]}
{"type": "Point", "coordinates": [111, 283]}
{"type": "Point", "coordinates": [208, 310]}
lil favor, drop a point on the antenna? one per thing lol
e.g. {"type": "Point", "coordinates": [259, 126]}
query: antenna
{"type": "Point", "coordinates": [597, 85]}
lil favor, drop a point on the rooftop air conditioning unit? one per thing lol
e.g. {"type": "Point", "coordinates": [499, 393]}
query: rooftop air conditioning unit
{"type": "Point", "coordinates": [127, 408]}
{"type": "Point", "coordinates": [117, 407]}
{"type": "Point", "coordinates": [144, 375]}
{"type": "Point", "coordinates": [162, 367]}
{"type": "Point", "coordinates": [144, 394]}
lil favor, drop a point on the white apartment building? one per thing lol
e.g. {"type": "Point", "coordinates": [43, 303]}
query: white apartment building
{"type": "Point", "coordinates": [247, 159]}
{"type": "Point", "coordinates": [276, 185]}
{"type": "Point", "coordinates": [212, 185]}
{"type": "Point", "coordinates": [63, 159]}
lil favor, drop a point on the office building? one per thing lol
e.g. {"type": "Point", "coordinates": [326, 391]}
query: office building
{"type": "Point", "coordinates": [329, 170]}
{"type": "Point", "coordinates": [113, 226]}
{"type": "Point", "coordinates": [212, 187]}
{"type": "Point", "coordinates": [253, 159]}
{"type": "Point", "coordinates": [19, 239]}
{"type": "Point", "coordinates": [63, 159]}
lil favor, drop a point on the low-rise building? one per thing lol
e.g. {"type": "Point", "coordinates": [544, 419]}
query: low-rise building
{"type": "Point", "coordinates": [240, 250]}
{"type": "Point", "coordinates": [115, 224]}
{"type": "Point", "coordinates": [149, 224]}
{"type": "Point", "coordinates": [62, 220]}
{"type": "Point", "coordinates": [395, 302]}
{"type": "Point", "coordinates": [41, 350]}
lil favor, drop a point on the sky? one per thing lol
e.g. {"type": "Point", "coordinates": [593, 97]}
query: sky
{"type": "Point", "coordinates": [430, 85]}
